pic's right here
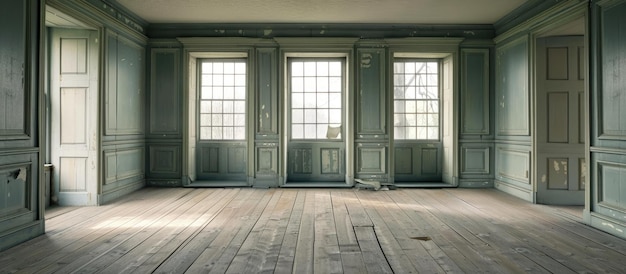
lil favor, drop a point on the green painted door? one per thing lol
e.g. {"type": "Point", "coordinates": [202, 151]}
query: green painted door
{"type": "Point", "coordinates": [560, 121]}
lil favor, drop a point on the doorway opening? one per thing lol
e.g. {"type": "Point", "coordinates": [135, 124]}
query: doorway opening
{"type": "Point", "coordinates": [72, 89]}
{"type": "Point", "coordinates": [560, 120]}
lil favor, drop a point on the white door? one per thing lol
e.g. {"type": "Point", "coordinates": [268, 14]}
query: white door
{"type": "Point", "coordinates": [74, 115]}
{"type": "Point", "coordinates": [560, 121]}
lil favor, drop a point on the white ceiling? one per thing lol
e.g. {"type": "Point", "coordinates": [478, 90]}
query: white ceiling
{"type": "Point", "coordinates": [322, 11]}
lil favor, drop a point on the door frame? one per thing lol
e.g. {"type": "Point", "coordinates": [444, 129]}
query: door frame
{"type": "Point", "coordinates": [555, 27]}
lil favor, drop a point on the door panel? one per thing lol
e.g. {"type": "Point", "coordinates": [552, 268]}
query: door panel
{"type": "Point", "coordinates": [74, 115]}
{"type": "Point", "coordinates": [560, 123]}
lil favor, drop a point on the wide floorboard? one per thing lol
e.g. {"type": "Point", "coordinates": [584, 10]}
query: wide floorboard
{"type": "Point", "coordinates": [245, 230]}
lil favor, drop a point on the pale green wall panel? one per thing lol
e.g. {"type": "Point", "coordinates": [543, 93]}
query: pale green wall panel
{"type": "Point", "coordinates": [475, 91]}
{"type": "Point", "coordinates": [165, 98]}
{"type": "Point", "coordinates": [512, 95]}
{"type": "Point", "coordinates": [21, 212]}
{"type": "Point", "coordinates": [371, 95]}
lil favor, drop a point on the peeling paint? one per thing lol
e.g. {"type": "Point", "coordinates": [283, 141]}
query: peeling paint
{"type": "Point", "coordinates": [267, 32]}
{"type": "Point", "coordinates": [544, 178]}
{"type": "Point", "coordinates": [366, 60]}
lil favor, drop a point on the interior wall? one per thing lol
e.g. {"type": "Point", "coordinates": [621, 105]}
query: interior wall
{"type": "Point", "coordinates": [21, 210]}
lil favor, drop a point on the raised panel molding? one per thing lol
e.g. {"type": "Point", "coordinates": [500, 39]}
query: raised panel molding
{"type": "Point", "coordinates": [165, 103]}
{"type": "Point", "coordinates": [123, 164]}
{"type": "Point", "coordinates": [371, 159]}
{"type": "Point", "coordinates": [267, 93]}
{"type": "Point", "coordinates": [475, 91]}
{"type": "Point", "coordinates": [371, 92]}
{"type": "Point", "coordinates": [512, 93]}
{"type": "Point", "coordinates": [267, 160]}
{"type": "Point", "coordinates": [164, 160]}
{"type": "Point", "coordinates": [475, 160]}
{"type": "Point", "coordinates": [513, 164]}
{"type": "Point", "coordinates": [124, 93]}
{"type": "Point", "coordinates": [430, 166]}
{"type": "Point", "coordinates": [611, 180]}
{"type": "Point", "coordinates": [612, 99]}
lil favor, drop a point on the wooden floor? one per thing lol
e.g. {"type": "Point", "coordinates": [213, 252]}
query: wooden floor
{"type": "Point", "coordinates": [242, 230]}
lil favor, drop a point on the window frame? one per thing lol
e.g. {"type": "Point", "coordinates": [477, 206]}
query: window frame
{"type": "Point", "coordinates": [439, 100]}
{"type": "Point", "coordinates": [199, 98]}
{"type": "Point", "coordinates": [342, 93]}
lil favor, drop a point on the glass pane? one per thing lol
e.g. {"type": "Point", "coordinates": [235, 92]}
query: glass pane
{"type": "Point", "coordinates": [334, 69]}
{"type": "Point", "coordinates": [411, 133]}
{"type": "Point", "coordinates": [334, 84]}
{"type": "Point", "coordinates": [310, 131]}
{"type": "Point", "coordinates": [398, 132]}
{"type": "Point", "coordinates": [398, 67]}
{"type": "Point", "coordinates": [433, 67]}
{"type": "Point", "coordinates": [310, 100]}
{"type": "Point", "coordinates": [218, 79]}
{"type": "Point", "coordinates": [398, 120]}
{"type": "Point", "coordinates": [240, 80]}
{"type": "Point", "coordinates": [310, 115]}
{"type": "Point", "coordinates": [218, 68]}
{"type": "Point", "coordinates": [297, 84]}
{"type": "Point", "coordinates": [410, 93]}
{"type": "Point", "coordinates": [322, 84]}
{"type": "Point", "coordinates": [420, 67]}
{"type": "Point", "coordinates": [433, 133]}
{"type": "Point", "coordinates": [205, 133]}
{"type": "Point", "coordinates": [218, 93]}
{"type": "Point", "coordinates": [228, 120]}
{"type": "Point", "coordinates": [297, 69]}
{"type": "Point", "coordinates": [205, 119]}
{"type": "Point", "coordinates": [433, 106]}
{"type": "Point", "coordinates": [216, 133]}
{"type": "Point", "coordinates": [229, 80]}
{"type": "Point", "coordinates": [421, 120]}
{"type": "Point", "coordinates": [207, 67]}
{"type": "Point", "coordinates": [216, 106]}
{"type": "Point", "coordinates": [229, 93]}
{"type": "Point", "coordinates": [205, 107]}
{"type": "Point", "coordinates": [310, 84]}
{"type": "Point", "coordinates": [297, 100]}
{"type": "Point", "coordinates": [322, 100]}
{"type": "Point", "coordinates": [240, 133]}
{"type": "Point", "coordinates": [309, 69]}
{"type": "Point", "coordinates": [297, 131]}
{"type": "Point", "coordinates": [206, 93]}
{"type": "Point", "coordinates": [216, 120]}
{"type": "Point", "coordinates": [433, 119]}
{"type": "Point", "coordinates": [240, 107]}
{"type": "Point", "coordinates": [322, 68]}
{"type": "Point", "coordinates": [240, 93]}
{"type": "Point", "coordinates": [321, 131]}
{"type": "Point", "coordinates": [207, 80]}
{"type": "Point", "coordinates": [422, 133]}
{"type": "Point", "coordinates": [240, 68]}
{"type": "Point", "coordinates": [334, 100]}
{"type": "Point", "coordinates": [420, 106]}
{"type": "Point", "coordinates": [229, 68]}
{"type": "Point", "coordinates": [297, 116]}
{"type": "Point", "coordinates": [240, 120]}
{"type": "Point", "coordinates": [322, 116]}
{"type": "Point", "coordinates": [411, 119]}
{"type": "Point", "coordinates": [228, 133]}
{"type": "Point", "coordinates": [334, 116]}
{"type": "Point", "coordinates": [410, 107]}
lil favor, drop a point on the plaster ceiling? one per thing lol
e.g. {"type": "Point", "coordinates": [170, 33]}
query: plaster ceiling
{"type": "Point", "coordinates": [322, 11]}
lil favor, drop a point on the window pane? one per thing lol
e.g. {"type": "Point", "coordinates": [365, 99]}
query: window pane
{"type": "Point", "coordinates": [297, 84]}
{"type": "Point", "coordinates": [310, 131]}
{"type": "Point", "coordinates": [205, 119]}
{"type": "Point", "coordinates": [240, 120]}
{"type": "Point", "coordinates": [229, 93]}
{"type": "Point", "coordinates": [297, 116]}
{"type": "Point", "coordinates": [310, 116]}
{"type": "Point", "coordinates": [205, 133]}
{"type": "Point", "coordinates": [240, 68]}
{"type": "Point", "coordinates": [297, 131]}
{"type": "Point", "coordinates": [297, 100]}
{"type": "Point", "coordinates": [334, 100]}
{"type": "Point", "coordinates": [322, 68]}
{"type": "Point", "coordinates": [240, 133]}
{"type": "Point", "coordinates": [334, 69]}
{"type": "Point", "coordinates": [310, 100]}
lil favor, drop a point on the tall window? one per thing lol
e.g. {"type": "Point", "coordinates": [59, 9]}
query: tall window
{"type": "Point", "coordinates": [223, 99]}
{"type": "Point", "coordinates": [316, 87]}
{"type": "Point", "coordinates": [416, 99]}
